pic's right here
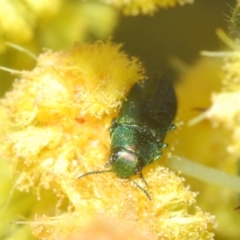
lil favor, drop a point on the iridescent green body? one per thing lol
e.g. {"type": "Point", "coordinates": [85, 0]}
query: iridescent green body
{"type": "Point", "coordinates": [137, 134]}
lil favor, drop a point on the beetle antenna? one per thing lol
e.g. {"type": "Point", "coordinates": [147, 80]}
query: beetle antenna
{"type": "Point", "coordinates": [143, 179]}
{"type": "Point", "coordinates": [142, 189]}
{"type": "Point", "coordinates": [94, 172]}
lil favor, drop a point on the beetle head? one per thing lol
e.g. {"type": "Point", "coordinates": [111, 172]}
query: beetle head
{"type": "Point", "coordinates": [125, 163]}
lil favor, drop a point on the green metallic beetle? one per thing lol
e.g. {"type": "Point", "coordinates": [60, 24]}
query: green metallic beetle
{"type": "Point", "coordinates": [137, 134]}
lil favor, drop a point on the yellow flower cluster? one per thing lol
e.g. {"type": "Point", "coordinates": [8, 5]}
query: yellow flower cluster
{"type": "Point", "coordinates": [57, 120]}
{"type": "Point", "coordinates": [225, 108]}
{"type": "Point", "coordinates": [135, 7]}
{"type": "Point", "coordinates": [171, 213]}
{"type": "Point", "coordinates": [206, 146]}
{"type": "Point", "coordinates": [66, 91]}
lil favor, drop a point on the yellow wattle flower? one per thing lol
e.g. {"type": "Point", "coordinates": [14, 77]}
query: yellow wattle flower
{"type": "Point", "coordinates": [58, 118]}
{"type": "Point", "coordinates": [225, 108]}
{"type": "Point", "coordinates": [212, 141]}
